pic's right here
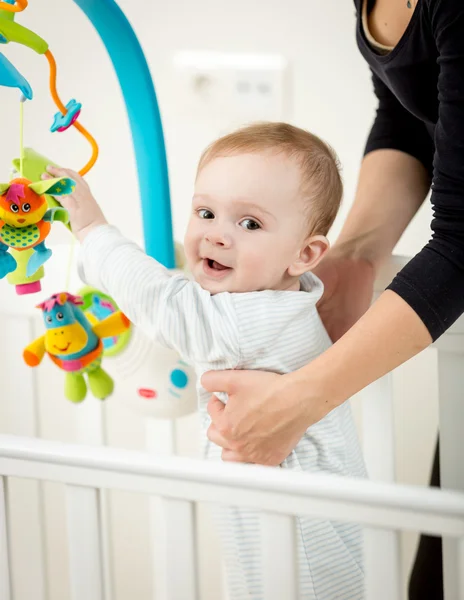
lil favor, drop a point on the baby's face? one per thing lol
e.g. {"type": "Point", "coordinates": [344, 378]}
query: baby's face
{"type": "Point", "coordinates": [248, 223]}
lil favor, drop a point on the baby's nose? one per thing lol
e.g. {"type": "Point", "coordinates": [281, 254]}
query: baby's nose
{"type": "Point", "coordinates": [218, 238]}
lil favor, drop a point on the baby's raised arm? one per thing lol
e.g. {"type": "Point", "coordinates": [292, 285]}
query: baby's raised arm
{"type": "Point", "coordinates": [167, 307]}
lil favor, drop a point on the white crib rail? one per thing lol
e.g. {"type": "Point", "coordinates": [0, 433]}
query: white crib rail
{"type": "Point", "coordinates": [281, 494]}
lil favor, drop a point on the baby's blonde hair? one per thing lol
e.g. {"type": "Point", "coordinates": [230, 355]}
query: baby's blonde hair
{"type": "Point", "coordinates": [321, 183]}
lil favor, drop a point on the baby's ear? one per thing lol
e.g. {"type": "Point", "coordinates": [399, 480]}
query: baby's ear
{"type": "Point", "coordinates": [310, 255]}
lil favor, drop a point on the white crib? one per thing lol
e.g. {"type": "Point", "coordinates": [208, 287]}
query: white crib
{"type": "Point", "coordinates": [87, 472]}
{"type": "Point", "coordinates": [177, 485]}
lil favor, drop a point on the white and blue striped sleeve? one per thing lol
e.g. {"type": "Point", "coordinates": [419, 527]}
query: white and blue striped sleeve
{"type": "Point", "coordinates": [167, 307]}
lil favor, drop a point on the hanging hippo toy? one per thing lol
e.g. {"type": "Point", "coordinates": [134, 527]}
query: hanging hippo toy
{"type": "Point", "coordinates": [75, 345]}
{"type": "Point", "coordinates": [25, 222]}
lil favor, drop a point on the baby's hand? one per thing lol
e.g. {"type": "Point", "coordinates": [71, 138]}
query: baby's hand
{"type": "Point", "coordinates": [84, 212]}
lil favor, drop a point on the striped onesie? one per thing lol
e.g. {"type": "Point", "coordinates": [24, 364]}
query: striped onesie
{"type": "Point", "coordinates": [277, 331]}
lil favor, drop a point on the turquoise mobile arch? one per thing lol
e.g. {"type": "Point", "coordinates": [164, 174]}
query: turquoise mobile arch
{"type": "Point", "coordinates": [139, 94]}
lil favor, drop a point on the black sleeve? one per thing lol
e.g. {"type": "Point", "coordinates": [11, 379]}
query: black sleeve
{"type": "Point", "coordinates": [433, 281]}
{"type": "Point", "coordinates": [397, 129]}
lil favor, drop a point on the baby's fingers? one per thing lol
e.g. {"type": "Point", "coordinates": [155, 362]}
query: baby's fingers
{"type": "Point", "coordinates": [54, 172]}
{"type": "Point", "coordinates": [60, 172]}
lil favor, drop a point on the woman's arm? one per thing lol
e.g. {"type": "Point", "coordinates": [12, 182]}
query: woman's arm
{"type": "Point", "coordinates": [389, 334]}
{"type": "Point", "coordinates": [392, 185]}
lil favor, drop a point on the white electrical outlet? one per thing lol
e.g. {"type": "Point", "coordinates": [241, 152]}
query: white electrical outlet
{"type": "Point", "coordinates": [239, 85]}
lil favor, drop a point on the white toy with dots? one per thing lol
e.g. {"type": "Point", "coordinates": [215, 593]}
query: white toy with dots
{"type": "Point", "coordinates": [152, 380]}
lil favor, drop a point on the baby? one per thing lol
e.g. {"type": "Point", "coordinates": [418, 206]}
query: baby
{"type": "Point", "coordinates": [265, 197]}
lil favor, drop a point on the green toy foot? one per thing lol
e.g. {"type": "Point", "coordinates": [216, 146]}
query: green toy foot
{"type": "Point", "coordinates": [7, 264]}
{"type": "Point", "coordinates": [40, 256]}
{"type": "Point", "coordinates": [100, 384]}
{"type": "Point", "coordinates": [75, 388]}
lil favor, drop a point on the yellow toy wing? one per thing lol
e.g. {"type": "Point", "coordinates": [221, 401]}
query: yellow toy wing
{"type": "Point", "coordinates": [115, 324]}
{"type": "Point", "coordinates": [34, 353]}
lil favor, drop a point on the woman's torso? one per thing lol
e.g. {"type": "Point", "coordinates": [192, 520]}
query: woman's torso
{"type": "Point", "coordinates": [410, 69]}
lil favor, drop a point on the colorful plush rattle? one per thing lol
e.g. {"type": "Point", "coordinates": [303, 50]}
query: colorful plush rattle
{"type": "Point", "coordinates": [24, 218]}
{"type": "Point", "coordinates": [75, 345]}
{"type": "Point", "coordinates": [25, 222]}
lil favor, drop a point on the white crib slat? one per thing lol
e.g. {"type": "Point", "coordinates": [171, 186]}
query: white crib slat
{"type": "Point", "coordinates": [378, 429]}
{"type": "Point", "coordinates": [450, 386]}
{"type": "Point", "coordinates": [83, 516]}
{"type": "Point", "coordinates": [460, 552]}
{"type": "Point", "coordinates": [4, 553]}
{"type": "Point", "coordinates": [90, 425]}
{"type": "Point", "coordinates": [26, 535]}
{"type": "Point", "coordinates": [173, 527]}
{"type": "Point", "coordinates": [279, 557]}
{"type": "Point", "coordinates": [381, 547]}
{"type": "Point", "coordinates": [105, 537]}
{"type": "Point", "coordinates": [173, 543]}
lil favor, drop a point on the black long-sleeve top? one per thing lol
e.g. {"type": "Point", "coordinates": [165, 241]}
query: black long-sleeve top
{"type": "Point", "coordinates": [420, 91]}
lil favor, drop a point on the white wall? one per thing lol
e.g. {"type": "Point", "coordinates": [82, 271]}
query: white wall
{"type": "Point", "coordinates": [331, 95]}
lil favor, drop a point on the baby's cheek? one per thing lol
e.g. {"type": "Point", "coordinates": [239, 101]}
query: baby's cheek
{"type": "Point", "coordinates": [190, 257]}
{"type": "Point", "coordinates": [277, 259]}
{"type": "Point", "coordinates": [255, 264]}
{"type": "Point", "coordinates": [190, 246]}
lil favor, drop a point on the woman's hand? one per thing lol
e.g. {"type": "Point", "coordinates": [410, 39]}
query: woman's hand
{"type": "Point", "coordinates": [265, 416]}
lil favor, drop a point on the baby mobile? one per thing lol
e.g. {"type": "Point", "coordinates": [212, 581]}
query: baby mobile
{"type": "Point", "coordinates": [75, 339]}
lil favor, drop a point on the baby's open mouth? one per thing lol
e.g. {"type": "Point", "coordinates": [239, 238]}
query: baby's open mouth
{"type": "Point", "coordinates": [213, 264]}
{"type": "Point", "coordinates": [215, 269]}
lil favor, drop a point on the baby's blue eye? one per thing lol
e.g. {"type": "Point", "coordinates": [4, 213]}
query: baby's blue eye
{"type": "Point", "coordinates": [204, 213]}
{"type": "Point", "coordinates": [250, 224]}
